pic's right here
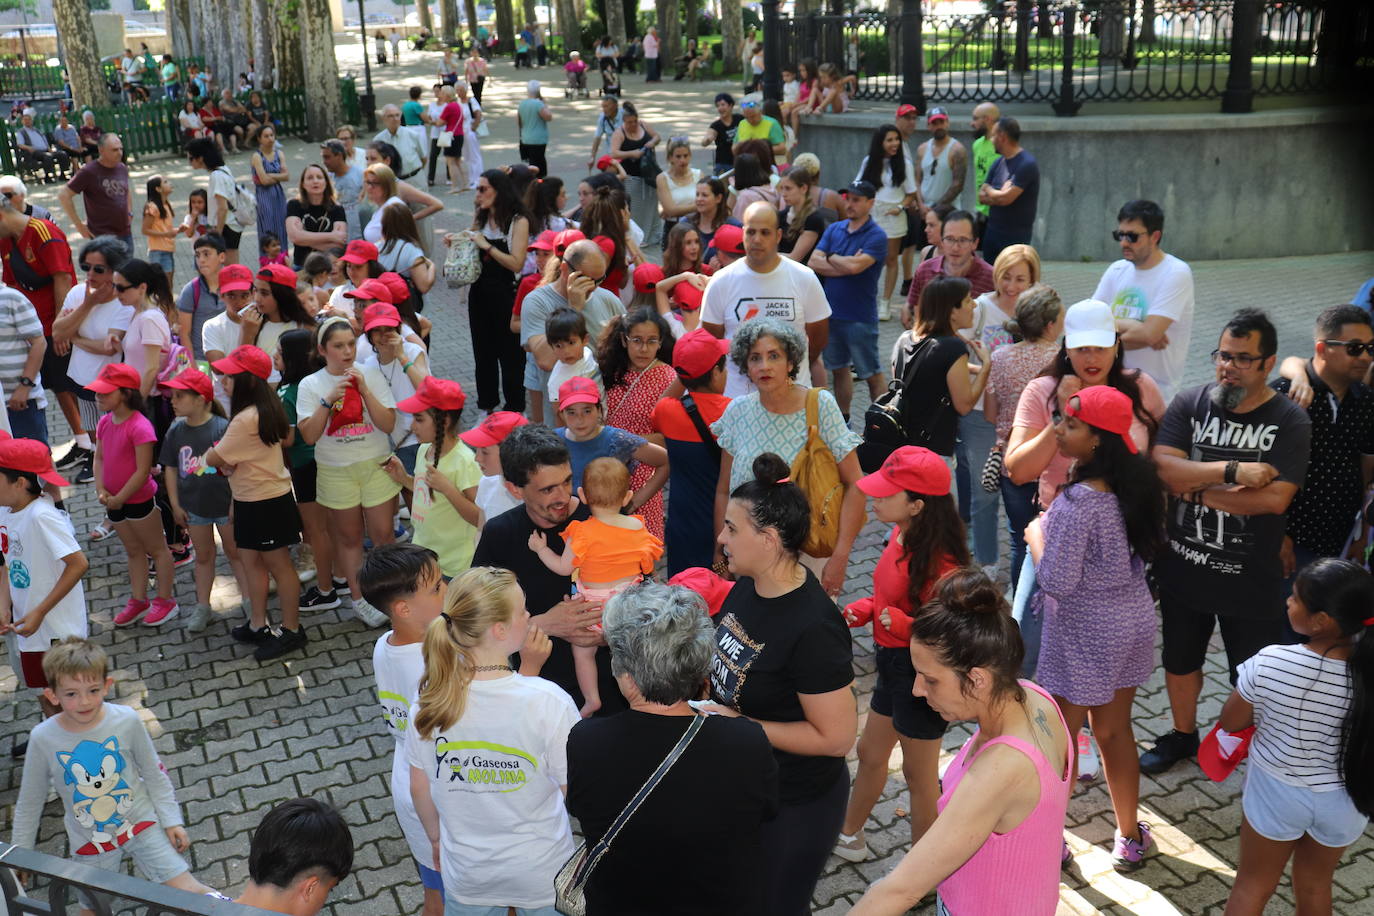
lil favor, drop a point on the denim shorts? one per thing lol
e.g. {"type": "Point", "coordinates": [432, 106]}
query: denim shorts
{"type": "Point", "coordinates": [1283, 813]}
{"type": "Point", "coordinates": [193, 519]}
{"type": "Point", "coordinates": [853, 345]}
{"type": "Point", "coordinates": [167, 260]}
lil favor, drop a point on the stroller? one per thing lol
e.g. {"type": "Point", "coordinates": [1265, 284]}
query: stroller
{"type": "Point", "coordinates": [610, 82]}
{"type": "Point", "coordinates": [576, 70]}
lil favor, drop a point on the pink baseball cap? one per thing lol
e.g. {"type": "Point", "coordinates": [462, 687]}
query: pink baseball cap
{"type": "Point", "coordinates": [380, 315]}
{"type": "Point", "coordinates": [578, 390]}
{"type": "Point", "coordinates": [1106, 408]}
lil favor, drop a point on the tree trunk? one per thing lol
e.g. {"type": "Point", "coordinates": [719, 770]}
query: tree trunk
{"type": "Point", "coordinates": [323, 106]}
{"type": "Point", "coordinates": [448, 21]}
{"type": "Point", "coordinates": [731, 35]}
{"type": "Point", "coordinates": [669, 31]}
{"type": "Point", "coordinates": [568, 26]}
{"type": "Point", "coordinates": [73, 20]}
{"type": "Point", "coordinates": [530, 13]}
{"type": "Point", "coordinates": [615, 22]}
{"type": "Point", "coordinates": [287, 39]}
{"type": "Point", "coordinates": [692, 10]}
{"type": "Point", "coordinates": [262, 45]}
{"type": "Point", "coordinates": [235, 43]}
{"type": "Point", "coordinates": [426, 18]}
{"type": "Point", "coordinates": [179, 27]}
{"type": "Point", "coordinates": [1147, 22]}
{"type": "Point", "coordinates": [469, 10]}
{"type": "Point", "coordinates": [505, 25]}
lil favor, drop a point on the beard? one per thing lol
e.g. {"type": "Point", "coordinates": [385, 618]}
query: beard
{"type": "Point", "coordinates": [979, 132]}
{"type": "Point", "coordinates": [1227, 397]}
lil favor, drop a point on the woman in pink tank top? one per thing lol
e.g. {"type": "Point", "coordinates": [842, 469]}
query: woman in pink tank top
{"type": "Point", "coordinates": [996, 846]}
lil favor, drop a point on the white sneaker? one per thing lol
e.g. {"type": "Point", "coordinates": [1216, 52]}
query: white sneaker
{"type": "Point", "coordinates": [368, 614]}
{"type": "Point", "coordinates": [885, 311]}
{"type": "Point", "coordinates": [852, 848]}
{"type": "Point", "coordinates": [1088, 761]}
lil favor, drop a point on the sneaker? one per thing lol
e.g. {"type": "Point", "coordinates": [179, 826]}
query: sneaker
{"type": "Point", "coordinates": [199, 618]}
{"type": "Point", "coordinates": [245, 632]}
{"type": "Point", "coordinates": [86, 474]}
{"type": "Point", "coordinates": [1168, 750]}
{"type": "Point", "coordinates": [1129, 855]}
{"type": "Point", "coordinates": [368, 614]}
{"type": "Point", "coordinates": [182, 554]}
{"type": "Point", "coordinates": [72, 457]}
{"type": "Point", "coordinates": [1088, 760]}
{"type": "Point", "coordinates": [280, 643]}
{"type": "Point", "coordinates": [884, 311]}
{"type": "Point", "coordinates": [852, 848]}
{"type": "Point", "coordinates": [312, 599]}
{"type": "Point", "coordinates": [1066, 856]}
{"type": "Point", "coordinates": [163, 610]}
{"type": "Point", "coordinates": [133, 610]}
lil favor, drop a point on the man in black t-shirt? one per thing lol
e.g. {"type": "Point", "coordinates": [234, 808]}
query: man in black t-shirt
{"type": "Point", "coordinates": [538, 471]}
{"type": "Point", "coordinates": [721, 133]}
{"type": "Point", "coordinates": [1232, 454]}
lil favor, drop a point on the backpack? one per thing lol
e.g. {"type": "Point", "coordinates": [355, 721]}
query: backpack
{"type": "Point", "coordinates": [818, 474]}
{"type": "Point", "coordinates": [243, 202]}
{"type": "Point", "coordinates": [463, 263]}
{"type": "Point", "coordinates": [176, 361]}
{"type": "Point", "coordinates": [889, 422]}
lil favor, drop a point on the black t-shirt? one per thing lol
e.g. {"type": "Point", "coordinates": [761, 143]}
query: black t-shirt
{"type": "Point", "coordinates": [725, 139]}
{"type": "Point", "coordinates": [725, 778]}
{"type": "Point", "coordinates": [814, 222]}
{"type": "Point", "coordinates": [769, 650]}
{"type": "Point", "coordinates": [314, 218]}
{"type": "Point", "coordinates": [505, 543]}
{"type": "Point", "coordinates": [1218, 562]}
{"type": "Point", "coordinates": [927, 412]}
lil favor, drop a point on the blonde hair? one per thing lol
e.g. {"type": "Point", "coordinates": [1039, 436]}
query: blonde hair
{"type": "Point", "coordinates": [478, 599]}
{"type": "Point", "coordinates": [75, 658]}
{"type": "Point", "coordinates": [383, 173]}
{"type": "Point", "coordinates": [606, 481]}
{"type": "Point", "coordinates": [1010, 257]}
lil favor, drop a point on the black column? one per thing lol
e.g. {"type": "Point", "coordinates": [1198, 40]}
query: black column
{"type": "Point", "coordinates": [1239, 96]}
{"type": "Point", "coordinates": [772, 51]}
{"type": "Point", "coordinates": [913, 56]}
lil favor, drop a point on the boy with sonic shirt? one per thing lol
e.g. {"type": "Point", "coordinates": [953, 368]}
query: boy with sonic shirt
{"type": "Point", "coordinates": [99, 759]}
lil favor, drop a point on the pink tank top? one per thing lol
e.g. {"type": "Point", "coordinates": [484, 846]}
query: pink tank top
{"type": "Point", "coordinates": [1017, 871]}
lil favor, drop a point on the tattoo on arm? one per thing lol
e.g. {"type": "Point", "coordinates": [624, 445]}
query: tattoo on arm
{"type": "Point", "coordinates": [1043, 722]}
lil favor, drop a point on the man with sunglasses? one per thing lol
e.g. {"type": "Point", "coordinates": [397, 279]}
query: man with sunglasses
{"type": "Point", "coordinates": [1232, 454]}
{"type": "Point", "coordinates": [1151, 294]}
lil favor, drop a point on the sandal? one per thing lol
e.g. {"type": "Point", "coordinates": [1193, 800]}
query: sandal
{"type": "Point", "coordinates": [102, 531]}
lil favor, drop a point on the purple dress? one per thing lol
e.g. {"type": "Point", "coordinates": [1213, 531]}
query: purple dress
{"type": "Point", "coordinates": [1099, 616]}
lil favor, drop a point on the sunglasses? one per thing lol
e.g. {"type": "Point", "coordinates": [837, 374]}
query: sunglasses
{"type": "Point", "coordinates": [123, 287]}
{"type": "Point", "coordinates": [1353, 347]}
{"type": "Point", "coordinates": [1131, 237]}
{"type": "Point", "coordinates": [94, 268]}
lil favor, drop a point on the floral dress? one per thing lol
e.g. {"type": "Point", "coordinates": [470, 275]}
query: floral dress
{"type": "Point", "coordinates": [630, 406]}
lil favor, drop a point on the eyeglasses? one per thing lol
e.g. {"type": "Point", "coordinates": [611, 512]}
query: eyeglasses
{"type": "Point", "coordinates": [123, 287]}
{"type": "Point", "coordinates": [644, 341]}
{"type": "Point", "coordinates": [1353, 347]}
{"type": "Point", "coordinates": [958, 240]}
{"type": "Point", "coordinates": [1131, 237]}
{"type": "Point", "coordinates": [1239, 360]}
{"type": "Point", "coordinates": [934, 164]}
{"type": "Point", "coordinates": [94, 268]}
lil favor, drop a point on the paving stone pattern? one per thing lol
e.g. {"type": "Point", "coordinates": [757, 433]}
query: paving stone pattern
{"type": "Point", "coordinates": [238, 736]}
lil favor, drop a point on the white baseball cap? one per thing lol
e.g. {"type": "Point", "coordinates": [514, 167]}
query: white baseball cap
{"type": "Point", "coordinates": [1089, 323]}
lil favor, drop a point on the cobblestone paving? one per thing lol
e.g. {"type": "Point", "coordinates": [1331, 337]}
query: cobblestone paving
{"type": "Point", "coordinates": [239, 737]}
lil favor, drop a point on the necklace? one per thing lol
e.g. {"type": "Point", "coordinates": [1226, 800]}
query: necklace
{"type": "Point", "coordinates": [493, 668]}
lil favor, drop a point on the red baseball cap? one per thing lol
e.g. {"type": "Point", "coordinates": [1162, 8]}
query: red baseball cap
{"type": "Point", "coordinates": [246, 358]}
{"type": "Point", "coordinates": [544, 241]}
{"type": "Point", "coordinates": [904, 111]}
{"type": "Point", "coordinates": [910, 467]}
{"type": "Point", "coordinates": [606, 244]}
{"type": "Point", "coordinates": [562, 240]}
{"type": "Point", "coordinates": [1214, 761]}
{"type": "Point", "coordinates": [729, 239]}
{"type": "Point", "coordinates": [279, 274]}
{"type": "Point", "coordinates": [400, 289]}
{"type": "Point", "coordinates": [434, 392]}
{"type": "Point", "coordinates": [688, 296]}
{"type": "Point", "coordinates": [235, 278]}
{"type": "Point", "coordinates": [371, 289]}
{"type": "Point", "coordinates": [1106, 408]}
{"type": "Point", "coordinates": [30, 456]}
{"type": "Point", "coordinates": [697, 352]}
{"type": "Point", "coordinates": [937, 114]}
{"type": "Point", "coordinates": [115, 375]}
{"type": "Point", "coordinates": [711, 587]}
{"type": "Point", "coordinates": [494, 429]}
{"type": "Point", "coordinates": [578, 390]}
{"type": "Point", "coordinates": [359, 251]}
{"type": "Point", "coordinates": [380, 315]}
{"type": "Point", "coordinates": [605, 162]}
{"type": "Point", "coordinates": [193, 380]}
{"type": "Point", "coordinates": [647, 276]}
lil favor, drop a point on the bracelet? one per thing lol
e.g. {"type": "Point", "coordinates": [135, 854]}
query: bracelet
{"type": "Point", "coordinates": [406, 367]}
{"type": "Point", "coordinates": [1232, 468]}
{"type": "Point", "coordinates": [325, 404]}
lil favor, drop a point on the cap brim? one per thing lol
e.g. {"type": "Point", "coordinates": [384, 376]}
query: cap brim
{"type": "Point", "coordinates": [234, 287]}
{"type": "Point", "coordinates": [414, 404]}
{"type": "Point", "coordinates": [380, 323]}
{"type": "Point", "coordinates": [475, 437]}
{"type": "Point", "coordinates": [54, 478]}
{"type": "Point", "coordinates": [228, 366]}
{"type": "Point", "coordinates": [1090, 339]}
{"type": "Point", "coordinates": [573, 399]}
{"type": "Point", "coordinates": [100, 386]}
{"type": "Point", "coordinates": [352, 259]}
{"type": "Point", "coordinates": [877, 486]}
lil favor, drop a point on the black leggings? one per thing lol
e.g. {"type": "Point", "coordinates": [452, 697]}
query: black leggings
{"type": "Point", "coordinates": [499, 360]}
{"type": "Point", "coordinates": [796, 845]}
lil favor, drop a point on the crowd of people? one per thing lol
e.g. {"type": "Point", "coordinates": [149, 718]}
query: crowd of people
{"type": "Point", "coordinates": [687, 417]}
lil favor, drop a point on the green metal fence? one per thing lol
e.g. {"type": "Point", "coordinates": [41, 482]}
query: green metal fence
{"type": "Point", "coordinates": [16, 80]}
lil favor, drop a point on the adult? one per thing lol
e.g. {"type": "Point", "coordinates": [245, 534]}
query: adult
{"type": "Point", "coordinates": [772, 418]}
{"type": "Point", "coordinates": [1232, 454]}
{"type": "Point", "coordinates": [475, 71]}
{"type": "Point", "coordinates": [400, 252]}
{"type": "Point", "coordinates": [381, 187]}
{"type": "Point", "coordinates": [18, 193]}
{"type": "Point", "coordinates": [67, 138]}
{"type": "Point", "coordinates": [242, 127]}
{"type": "Point", "coordinates": [541, 48]}
{"type": "Point", "coordinates": [198, 81]}
{"type": "Point", "coordinates": [315, 221]}
{"type": "Point", "coordinates": [662, 644]}
{"type": "Point", "coordinates": [652, 73]}
{"type": "Point", "coordinates": [985, 115]}
{"type": "Point", "coordinates": [607, 53]}
{"type": "Point", "coordinates": [22, 347]}
{"type": "Point", "coordinates": [996, 845]}
{"type": "Point", "coordinates": [413, 115]}
{"type": "Point", "coordinates": [676, 187]}
{"type": "Point", "coordinates": [758, 126]}
{"type": "Point", "coordinates": [801, 220]}
{"type": "Point", "coordinates": [538, 471]}
{"type": "Point", "coordinates": [189, 122]}
{"type": "Point", "coordinates": [765, 284]}
{"type": "Point", "coordinates": [631, 145]}
{"type": "Point", "coordinates": [849, 257]}
{"type": "Point", "coordinates": [258, 116]}
{"type": "Point", "coordinates": [347, 181]}
{"type": "Point", "coordinates": [958, 258]}
{"type": "Point", "coordinates": [753, 177]}
{"type": "Point", "coordinates": [906, 119]}
{"type": "Point", "coordinates": [299, 852]}
{"type": "Point", "coordinates": [710, 210]}
{"type": "Point", "coordinates": [90, 134]}
{"type": "Point", "coordinates": [472, 137]}
{"type": "Point", "coordinates": [411, 151]}
{"type": "Point", "coordinates": [943, 162]}
{"type": "Point", "coordinates": [722, 132]}
{"type": "Point", "coordinates": [607, 123]}
{"type": "Point", "coordinates": [224, 222]}
{"type": "Point", "coordinates": [269, 174]}
{"type": "Point", "coordinates": [1011, 191]}
{"type": "Point", "coordinates": [532, 117]}
{"type": "Point", "coordinates": [199, 300]}
{"type": "Point", "coordinates": [784, 659]}
{"type": "Point", "coordinates": [453, 120]}
{"type": "Point", "coordinates": [35, 152]}
{"type": "Point", "coordinates": [892, 174]}
{"type": "Point", "coordinates": [349, 135]}
{"type": "Point", "coordinates": [501, 231]}
{"type": "Point", "coordinates": [1151, 293]}
{"type": "Point", "coordinates": [435, 129]}
{"type": "Point", "coordinates": [132, 68]}
{"type": "Point", "coordinates": [170, 75]}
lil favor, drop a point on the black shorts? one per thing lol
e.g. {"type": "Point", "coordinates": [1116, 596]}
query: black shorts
{"type": "Point", "coordinates": [911, 715]}
{"type": "Point", "coordinates": [1187, 631]}
{"type": "Point", "coordinates": [915, 230]}
{"type": "Point", "coordinates": [231, 237]}
{"type": "Point", "coordinates": [267, 524]}
{"type": "Point", "coordinates": [303, 481]}
{"type": "Point", "coordinates": [54, 370]}
{"type": "Point", "coordinates": [131, 512]}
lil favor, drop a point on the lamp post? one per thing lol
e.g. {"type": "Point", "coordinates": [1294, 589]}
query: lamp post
{"type": "Point", "coordinates": [772, 51]}
{"type": "Point", "coordinates": [367, 102]}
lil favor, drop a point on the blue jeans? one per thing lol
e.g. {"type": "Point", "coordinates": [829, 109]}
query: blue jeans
{"type": "Point", "coordinates": [1031, 623]}
{"type": "Point", "coordinates": [976, 438]}
{"type": "Point", "coordinates": [1019, 502]}
{"type": "Point", "coordinates": [29, 423]}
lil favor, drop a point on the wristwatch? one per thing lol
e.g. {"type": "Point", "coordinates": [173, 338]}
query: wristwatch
{"type": "Point", "coordinates": [26, 381]}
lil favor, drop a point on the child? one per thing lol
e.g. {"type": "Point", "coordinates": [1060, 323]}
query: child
{"type": "Point", "coordinates": [445, 482]}
{"type": "Point", "coordinates": [604, 554]}
{"type": "Point", "coordinates": [911, 492]}
{"type": "Point", "coordinates": [318, 274]}
{"type": "Point", "coordinates": [485, 440]}
{"type": "Point", "coordinates": [405, 366]}
{"type": "Point", "coordinates": [405, 582]}
{"type": "Point", "coordinates": [1308, 790]}
{"type": "Point", "coordinates": [100, 761]}
{"type": "Point", "coordinates": [196, 223]}
{"type": "Point", "coordinates": [271, 251]}
{"type": "Point", "coordinates": [301, 849]}
{"type": "Point", "coordinates": [566, 333]}
{"type": "Point", "coordinates": [266, 521]}
{"type": "Point", "coordinates": [124, 482]}
{"type": "Point", "coordinates": [199, 494]}
{"type": "Point", "coordinates": [588, 437]}
{"type": "Point", "coordinates": [41, 598]}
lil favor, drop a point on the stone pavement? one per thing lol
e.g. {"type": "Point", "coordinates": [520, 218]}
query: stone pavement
{"type": "Point", "coordinates": [238, 736]}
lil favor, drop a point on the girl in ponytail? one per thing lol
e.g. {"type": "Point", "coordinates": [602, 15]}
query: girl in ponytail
{"type": "Point", "coordinates": [1304, 712]}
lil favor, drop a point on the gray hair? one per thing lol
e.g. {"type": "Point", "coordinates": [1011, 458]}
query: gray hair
{"type": "Point", "coordinates": [14, 185]}
{"type": "Point", "coordinates": [661, 636]}
{"type": "Point", "coordinates": [109, 247]}
{"type": "Point", "coordinates": [749, 333]}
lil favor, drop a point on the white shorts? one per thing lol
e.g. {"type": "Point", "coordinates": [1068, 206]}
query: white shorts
{"type": "Point", "coordinates": [1282, 812]}
{"type": "Point", "coordinates": [152, 852]}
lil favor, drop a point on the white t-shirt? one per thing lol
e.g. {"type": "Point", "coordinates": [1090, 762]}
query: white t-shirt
{"type": "Point", "coordinates": [1165, 289]}
{"type": "Point", "coordinates": [222, 185]}
{"type": "Point", "coordinates": [34, 541]}
{"type": "Point", "coordinates": [361, 441]}
{"type": "Point", "coordinates": [887, 193]}
{"type": "Point", "coordinates": [398, 670]}
{"type": "Point", "coordinates": [373, 230]}
{"type": "Point", "coordinates": [496, 776]}
{"type": "Point", "coordinates": [791, 292]}
{"type": "Point", "coordinates": [97, 325]}
{"type": "Point", "coordinates": [585, 367]}
{"type": "Point", "coordinates": [987, 327]}
{"type": "Point", "coordinates": [401, 387]}
{"type": "Point", "coordinates": [493, 498]}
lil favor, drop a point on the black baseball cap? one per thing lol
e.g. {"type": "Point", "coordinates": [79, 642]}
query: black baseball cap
{"type": "Point", "coordinates": [860, 188]}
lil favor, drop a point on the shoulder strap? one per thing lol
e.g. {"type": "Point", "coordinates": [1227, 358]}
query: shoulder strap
{"type": "Point", "coordinates": [689, 406]}
{"type": "Point", "coordinates": [813, 411]}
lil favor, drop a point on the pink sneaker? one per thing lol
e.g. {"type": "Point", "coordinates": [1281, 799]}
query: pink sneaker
{"type": "Point", "coordinates": [132, 611]}
{"type": "Point", "coordinates": [163, 610]}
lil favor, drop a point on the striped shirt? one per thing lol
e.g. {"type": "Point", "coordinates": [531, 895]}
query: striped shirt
{"type": "Point", "coordinates": [1301, 700]}
{"type": "Point", "coordinates": [18, 326]}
